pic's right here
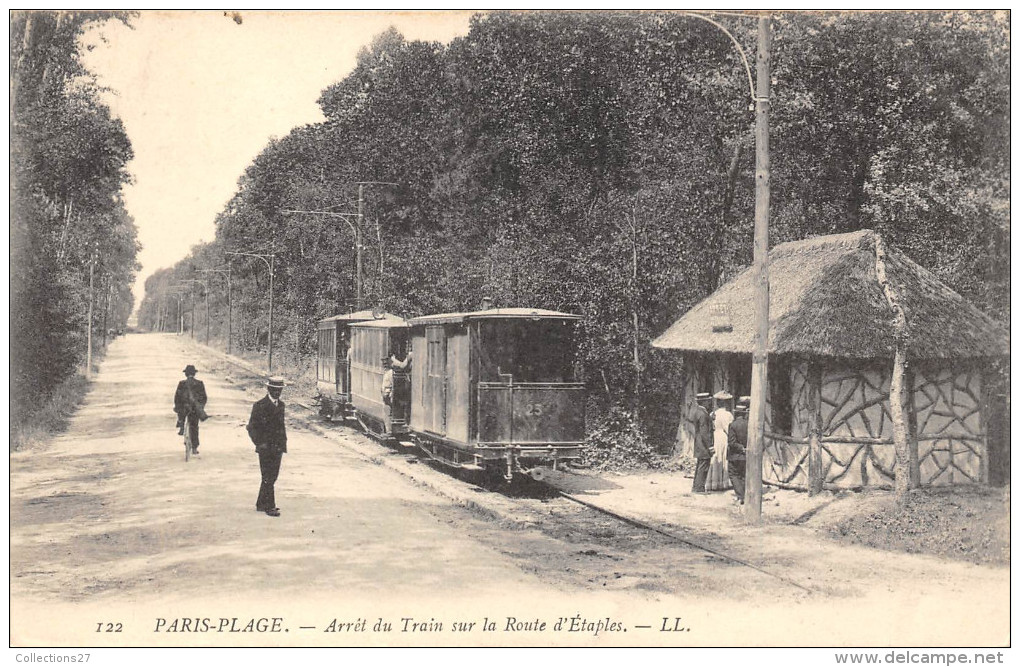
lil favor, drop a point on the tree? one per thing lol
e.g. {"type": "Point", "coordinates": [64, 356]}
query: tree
{"type": "Point", "coordinates": [68, 157]}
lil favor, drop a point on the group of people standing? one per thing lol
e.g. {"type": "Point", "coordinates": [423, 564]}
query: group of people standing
{"type": "Point", "coordinates": [720, 443]}
{"type": "Point", "coordinates": [266, 429]}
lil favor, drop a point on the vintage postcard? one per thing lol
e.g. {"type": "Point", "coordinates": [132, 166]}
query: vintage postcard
{"type": "Point", "coordinates": [511, 329]}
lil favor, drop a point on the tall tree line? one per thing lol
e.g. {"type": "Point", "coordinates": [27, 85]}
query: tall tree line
{"type": "Point", "coordinates": [68, 222]}
{"type": "Point", "coordinates": [602, 163]}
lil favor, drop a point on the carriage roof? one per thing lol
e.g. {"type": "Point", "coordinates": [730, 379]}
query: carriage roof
{"type": "Point", "coordinates": [347, 318]}
{"type": "Point", "coordinates": [385, 322]}
{"type": "Point", "coordinates": [493, 314]}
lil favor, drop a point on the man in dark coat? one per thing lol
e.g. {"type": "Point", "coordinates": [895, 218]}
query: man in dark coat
{"type": "Point", "coordinates": [703, 447]}
{"type": "Point", "coordinates": [189, 401]}
{"type": "Point", "coordinates": [736, 447]}
{"type": "Point", "coordinates": [268, 432]}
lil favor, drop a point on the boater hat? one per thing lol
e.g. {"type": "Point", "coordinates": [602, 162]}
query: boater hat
{"type": "Point", "coordinates": [723, 395]}
{"type": "Point", "coordinates": [703, 396]}
{"type": "Point", "coordinates": [276, 382]}
{"type": "Point", "coordinates": [189, 369]}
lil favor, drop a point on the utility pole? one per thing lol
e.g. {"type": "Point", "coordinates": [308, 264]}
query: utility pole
{"type": "Point", "coordinates": [357, 239]}
{"type": "Point", "coordinates": [88, 335]}
{"type": "Point", "coordinates": [106, 311]}
{"type": "Point", "coordinates": [760, 94]}
{"type": "Point", "coordinates": [759, 368]}
{"type": "Point", "coordinates": [357, 229]}
{"type": "Point", "coordinates": [179, 289]}
{"type": "Point", "coordinates": [205, 286]}
{"type": "Point", "coordinates": [360, 231]}
{"type": "Point", "coordinates": [230, 312]}
{"type": "Point", "coordinates": [269, 259]}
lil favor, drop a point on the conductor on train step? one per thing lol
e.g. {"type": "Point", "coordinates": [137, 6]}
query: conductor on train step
{"type": "Point", "coordinates": [268, 433]}
{"type": "Point", "coordinates": [703, 448]}
{"type": "Point", "coordinates": [189, 401]}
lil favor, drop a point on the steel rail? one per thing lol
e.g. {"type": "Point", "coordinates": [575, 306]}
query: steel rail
{"type": "Point", "coordinates": [646, 526]}
{"type": "Point", "coordinates": [637, 523]}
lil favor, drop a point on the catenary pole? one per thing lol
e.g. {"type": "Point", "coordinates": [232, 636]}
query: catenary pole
{"type": "Point", "coordinates": [88, 335]}
{"type": "Point", "coordinates": [759, 368]}
{"type": "Point", "coordinates": [357, 239]}
{"type": "Point", "coordinates": [272, 271]}
{"type": "Point", "coordinates": [356, 229]}
{"type": "Point", "coordinates": [270, 261]}
{"type": "Point", "coordinates": [229, 305]}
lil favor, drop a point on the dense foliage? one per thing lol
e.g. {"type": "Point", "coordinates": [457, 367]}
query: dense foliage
{"type": "Point", "coordinates": [67, 218]}
{"type": "Point", "coordinates": [602, 163]}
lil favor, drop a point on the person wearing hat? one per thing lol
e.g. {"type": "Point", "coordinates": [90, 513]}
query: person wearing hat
{"type": "Point", "coordinates": [268, 433]}
{"type": "Point", "coordinates": [703, 449]}
{"type": "Point", "coordinates": [736, 448]}
{"type": "Point", "coordinates": [189, 401]}
{"type": "Point", "coordinates": [722, 417]}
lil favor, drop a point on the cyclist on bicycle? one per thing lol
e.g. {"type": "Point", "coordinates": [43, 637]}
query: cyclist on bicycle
{"type": "Point", "coordinates": [189, 401]}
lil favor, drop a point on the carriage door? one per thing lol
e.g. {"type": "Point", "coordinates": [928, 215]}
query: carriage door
{"type": "Point", "coordinates": [343, 362]}
{"type": "Point", "coordinates": [435, 380]}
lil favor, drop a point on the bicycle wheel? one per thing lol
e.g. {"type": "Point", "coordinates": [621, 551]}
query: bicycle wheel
{"type": "Point", "coordinates": [187, 439]}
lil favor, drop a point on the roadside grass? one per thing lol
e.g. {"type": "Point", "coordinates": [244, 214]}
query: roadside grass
{"type": "Point", "coordinates": [969, 523]}
{"type": "Point", "coordinates": [298, 371]}
{"type": "Point", "coordinates": [50, 418]}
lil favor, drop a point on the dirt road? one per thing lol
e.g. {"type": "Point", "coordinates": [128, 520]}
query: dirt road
{"type": "Point", "coordinates": [116, 540]}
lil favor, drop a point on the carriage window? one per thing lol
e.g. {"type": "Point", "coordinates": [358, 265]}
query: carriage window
{"type": "Point", "coordinates": [527, 351]}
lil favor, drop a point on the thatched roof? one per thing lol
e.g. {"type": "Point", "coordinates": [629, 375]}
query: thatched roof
{"type": "Point", "coordinates": [825, 299]}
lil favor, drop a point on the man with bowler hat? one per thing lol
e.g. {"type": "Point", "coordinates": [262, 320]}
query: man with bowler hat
{"type": "Point", "coordinates": [268, 432]}
{"type": "Point", "coordinates": [736, 449]}
{"type": "Point", "coordinates": [189, 401]}
{"type": "Point", "coordinates": [703, 448]}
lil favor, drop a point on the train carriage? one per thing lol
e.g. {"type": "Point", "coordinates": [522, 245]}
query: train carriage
{"type": "Point", "coordinates": [495, 388]}
{"type": "Point", "coordinates": [332, 375]}
{"type": "Point", "coordinates": [380, 383]}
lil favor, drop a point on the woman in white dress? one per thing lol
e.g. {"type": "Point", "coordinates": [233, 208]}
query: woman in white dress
{"type": "Point", "coordinates": [718, 479]}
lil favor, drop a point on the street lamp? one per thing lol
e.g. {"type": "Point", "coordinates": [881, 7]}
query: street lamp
{"type": "Point", "coordinates": [269, 260]}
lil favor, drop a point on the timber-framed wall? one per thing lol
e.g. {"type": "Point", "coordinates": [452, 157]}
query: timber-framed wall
{"type": "Point", "coordinates": [839, 434]}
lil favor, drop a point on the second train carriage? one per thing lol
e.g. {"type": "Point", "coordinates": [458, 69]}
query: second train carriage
{"type": "Point", "coordinates": [332, 374]}
{"type": "Point", "coordinates": [379, 370]}
{"type": "Point", "coordinates": [496, 389]}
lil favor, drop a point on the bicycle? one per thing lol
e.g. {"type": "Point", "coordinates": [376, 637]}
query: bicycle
{"type": "Point", "coordinates": [187, 438]}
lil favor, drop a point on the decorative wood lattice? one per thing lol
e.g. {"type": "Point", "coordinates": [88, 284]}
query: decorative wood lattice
{"type": "Point", "coordinates": [855, 410]}
{"type": "Point", "coordinates": [950, 442]}
{"type": "Point", "coordinates": [856, 427]}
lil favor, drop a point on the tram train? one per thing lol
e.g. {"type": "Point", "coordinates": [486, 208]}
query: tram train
{"type": "Point", "coordinates": [492, 389]}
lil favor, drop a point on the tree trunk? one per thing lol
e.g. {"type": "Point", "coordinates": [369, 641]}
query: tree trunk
{"type": "Point", "coordinates": [897, 385]}
{"type": "Point", "coordinates": [635, 315]}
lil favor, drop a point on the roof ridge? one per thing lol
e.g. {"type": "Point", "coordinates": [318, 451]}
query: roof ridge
{"type": "Point", "coordinates": [849, 240]}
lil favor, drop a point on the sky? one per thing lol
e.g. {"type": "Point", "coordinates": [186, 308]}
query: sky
{"type": "Point", "coordinates": [201, 93]}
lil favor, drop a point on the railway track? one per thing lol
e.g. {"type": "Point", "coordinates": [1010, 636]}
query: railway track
{"type": "Point", "coordinates": [545, 492]}
{"type": "Point", "coordinates": [683, 540]}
